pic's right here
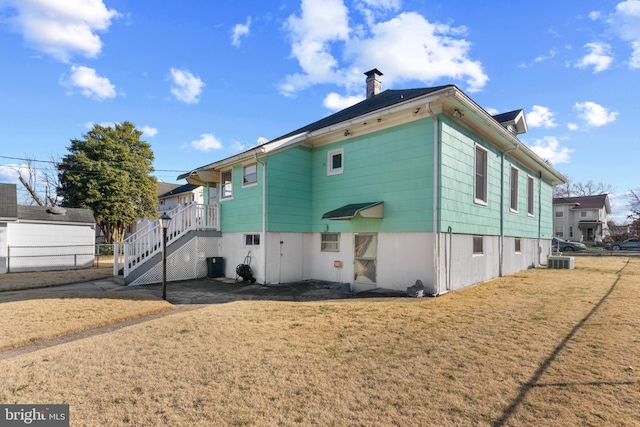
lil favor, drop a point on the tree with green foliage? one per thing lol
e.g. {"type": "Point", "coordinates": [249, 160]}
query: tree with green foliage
{"type": "Point", "coordinates": [108, 171]}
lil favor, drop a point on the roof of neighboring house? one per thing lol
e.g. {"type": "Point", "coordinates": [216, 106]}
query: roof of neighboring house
{"type": "Point", "coordinates": [515, 118]}
{"type": "Point", "coordinates": [585, 202]}
{"type": "Point", "coordinates": [8, 201]}
{"type": "Point", "coordinates": [165, 187]}
{"type": "Point", "coordinates": [179, 190]}
{"type": "Point", "coordinates": [55, 214]}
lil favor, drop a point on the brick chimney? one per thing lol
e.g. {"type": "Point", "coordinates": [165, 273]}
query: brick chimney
{"type": "Point", "coordinates": [374, 84]}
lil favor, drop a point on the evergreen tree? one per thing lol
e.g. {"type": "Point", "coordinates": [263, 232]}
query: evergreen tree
{"type": "Point", "coordinates": [108, 171]}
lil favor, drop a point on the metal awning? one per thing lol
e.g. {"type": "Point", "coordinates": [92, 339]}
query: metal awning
{"type": "Point", "coordinates": [366, 210]}
{"type": "Point", "coordinates": [589, 224]}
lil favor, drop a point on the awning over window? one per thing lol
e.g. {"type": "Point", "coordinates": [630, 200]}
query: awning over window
{"type": "Point", "coordinates": [589, 224]}
{"type": "Point", "coordinates": [366, 210]}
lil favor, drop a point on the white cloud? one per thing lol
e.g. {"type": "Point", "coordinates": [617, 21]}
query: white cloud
{"type": "Point", "coordinates": [239, 31]}
{"type": "Point", "coordinates": [599, 57]}
{"type": "Point", "coordinates": [492, 111]}
{"type": "Point", "coordinates": [90, 84]}
{"type": "Point", "coordinates": [573, 126]}
{"type": "Point", "coordinates": [206, 142]}
{"type": "Point", "coordinates": [149, 132]}
{"type": "Point", "coordinates": [594, 114]}
{"type": "Point", "coordinates": [552, 53]}
{"type": "Point", "coordinates": [336, 102]}
{"type": "Point", "coordinates": [262, 140]}
{"type": "Point", "coordinates": [62, 28]}
{"type": "Point", "coordinates": [187, 87]}
{"type": "Point", "coordinates": [9, 173]}
{"type": "Point", "coordinates": [595, 15]}
{"type": "Point", "coordinates": [540, 117]}
{"type": "Point", "coordinates": [239, 146]}
{"type": "Point", "coordinates": [406, 47]}
{"type": "Point", "coordinates": [549, 149]}
{"type": "Point", "coordinates": [89, 125]}
{"type": "Point", "coordinates": [625, 22]}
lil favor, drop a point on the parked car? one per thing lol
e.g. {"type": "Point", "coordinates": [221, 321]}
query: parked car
{"type": "Point", "coordinates": [629, 244]}
{"type": "Point", "coordinates": [568, 246]}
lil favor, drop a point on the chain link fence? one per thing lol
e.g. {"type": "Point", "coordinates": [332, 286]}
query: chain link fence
{"type": "Point", "coordinates": [62, 257]}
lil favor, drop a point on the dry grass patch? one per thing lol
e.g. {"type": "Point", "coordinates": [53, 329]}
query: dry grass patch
{"type": "Point", "coordinates": [32, 316]}
{"type": "Point", "coordinates": [39, 279]}
{"type": "Point", "coordinates": [542, 347]}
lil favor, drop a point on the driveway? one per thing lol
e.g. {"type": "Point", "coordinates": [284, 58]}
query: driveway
{"type": "Point", "coordinates": [223, 290]}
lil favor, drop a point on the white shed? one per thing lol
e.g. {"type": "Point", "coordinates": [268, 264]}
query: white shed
{"type": "Point", "coordinates": [40, 238]}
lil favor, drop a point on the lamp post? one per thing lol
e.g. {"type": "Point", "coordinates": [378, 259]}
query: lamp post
{"type": "Point", "coordinates": [164, 223]}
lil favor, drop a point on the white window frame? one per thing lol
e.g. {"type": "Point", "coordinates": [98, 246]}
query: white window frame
{"type": "Point", "coordinates": [483, 199]}
{"type": "Point", "coordinates": [246, 183]}
{"type": "Point", "coordinates": [513, 189]}
{"type": "Point", "coordinates": [330, 155]}
{"type": "Point", "coordinates": [329, 245]}
{"type": "Point", "coordinates": [559, 232]}
{"type": "Point", "coordinates": [224, 195]}
{"type": "Point", "coordinates": [251, 239]}
{"type": "Point", "coordinates": [531, 195]}
{"type": "Point", "coordinates": [473, 245]}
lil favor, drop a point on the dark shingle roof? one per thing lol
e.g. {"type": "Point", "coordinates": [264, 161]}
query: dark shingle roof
{"type": "Point", "coordinates": [585, 202]}
{"type": "Point", "coordinates": [46, 213]}
{"type": "Point", "coordinates": [506, 117]}
{"type": "Point", "coordinates": [179, 190]}
{"type": "Point", "coordinates": [8, 201]}
{"type": "Point", "coordinates": [382, 100]}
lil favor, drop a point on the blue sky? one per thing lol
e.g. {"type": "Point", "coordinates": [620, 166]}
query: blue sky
{"type": "Point", "coordinates": [205, 80]}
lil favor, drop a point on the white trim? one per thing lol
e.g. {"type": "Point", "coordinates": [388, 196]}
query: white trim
{"type": "Point", "coordinates": [484, 202]}
{"type": "Point", "coordinates": [511, 169]}
{"type": "Point", "coordinates": [533, 196]}
{"type": "Point", "coordinates": [250, 184]}
{"type": "Point", "coordinates": [222, 184]}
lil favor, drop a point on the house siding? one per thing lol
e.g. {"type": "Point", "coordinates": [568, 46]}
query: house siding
{"type": "Point", "coordinates": [242, 212]}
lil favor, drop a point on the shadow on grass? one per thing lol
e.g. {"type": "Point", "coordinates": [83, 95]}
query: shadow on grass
{"type": "Point", "coordinates": [533, 381]}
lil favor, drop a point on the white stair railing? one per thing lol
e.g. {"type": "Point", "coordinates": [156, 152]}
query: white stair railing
{"type": "Point", "coordinates": [145, 243]}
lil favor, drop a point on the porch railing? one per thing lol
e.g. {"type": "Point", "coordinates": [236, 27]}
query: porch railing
{"type": "Point", "coordinates": [144, 244]}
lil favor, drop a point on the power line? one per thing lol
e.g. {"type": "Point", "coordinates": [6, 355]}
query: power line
{"type": "Point", "coordinates": [59, 163]}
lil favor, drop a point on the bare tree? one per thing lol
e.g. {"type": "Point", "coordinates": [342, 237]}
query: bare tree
{"type": "Point", "coordinates": [578, 189]}
{"type": "Point", "coordinates": [40, 183]}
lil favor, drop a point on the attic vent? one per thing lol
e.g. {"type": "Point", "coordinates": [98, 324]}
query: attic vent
{"type": "Point", "coordinates": [57, 210]}
{"type": "Point", "coordinates": [562, 262]}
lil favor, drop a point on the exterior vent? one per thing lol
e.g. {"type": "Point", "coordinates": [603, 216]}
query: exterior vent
{"type": "Point", "coordinates": [566, 262]}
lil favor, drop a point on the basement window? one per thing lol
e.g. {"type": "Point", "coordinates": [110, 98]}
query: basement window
{"type": "Point", "coordinates": [252, 240]}
{"type": "Point", "coordinates": [330, 242]}
{"type": "Point", "coordinates": [478, 245]}
{"type": "Point", "coordinates": [517, 245]}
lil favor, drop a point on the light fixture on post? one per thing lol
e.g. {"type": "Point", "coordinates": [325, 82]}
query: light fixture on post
{"type": "Point", "coordinates": [164, 223]}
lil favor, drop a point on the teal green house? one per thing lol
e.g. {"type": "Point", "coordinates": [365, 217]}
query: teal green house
{"type": "Point", "coordinates": [414, 184]}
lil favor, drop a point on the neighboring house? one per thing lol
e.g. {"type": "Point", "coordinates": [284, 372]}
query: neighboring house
{"type": "Point", "coordinates": [582, 219]}
{"type": "Point", "coordinates": [416, 184]}
{"type": "Point", "coordinates": [36, 238]}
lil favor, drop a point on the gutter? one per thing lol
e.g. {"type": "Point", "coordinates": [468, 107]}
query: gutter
{"type": "Point", "coordinates": [436, 196]}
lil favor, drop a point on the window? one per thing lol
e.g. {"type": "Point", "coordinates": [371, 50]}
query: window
{"type": "Point", "coordinates": [480, 193]}
{"type": "Point", "coordinates": [335, 162]}
{"type": "Point", "coordinates": [252, 240]}
{"type": "Point", "coordinates": [559, 214]}
{"type": "Point", "coordinates": [571, 231]}
{"type": "Point", "coordinates": [330, 242]}
{"type": "Point", "coordinates": [249, 174]}
{"type": "Point", "coordinates": [530, 196]}
{"type": "Point", "coordinates": [478, 245]}
{"type": "Point", "coordinates": [583, 214]}
{"type": "Point", "coordinates": [226, 184]}
{"type": "Point", "coordinates": [517, 244]}
{"type": "Point", "coordinates": [514, 189]}
{"type": "Point", "coordinates": [559, 232]}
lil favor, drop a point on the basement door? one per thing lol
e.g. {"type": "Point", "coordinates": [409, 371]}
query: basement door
{"type": "Point", "coordinates": [365, 260]}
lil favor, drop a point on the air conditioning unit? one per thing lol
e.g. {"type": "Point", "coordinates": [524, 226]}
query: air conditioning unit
{"type": "Point", "coordinates": [566, 262]}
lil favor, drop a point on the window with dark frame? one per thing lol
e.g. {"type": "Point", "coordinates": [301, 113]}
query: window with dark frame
{"type": "Point", "coordinates": [335, 162]}
{"type": "Point", "coordinates": [530, 196]}
{"type": "Point", "coordinates": [480, 192]}
{"type": "Point", "coordinates": [226, 184]}
{"type": "Point", "coordinates": [249, 174]}
{"type": "Point", "coordinates": [514, 189]}
{"type": "Point", "coordinates": [330, 242]}
{"type": "Point", "coordinates": [252, 240]}
{"type": "Point", "coordinates": [478, 245]}
{"type": "Point", "coordinates": [517, 244]}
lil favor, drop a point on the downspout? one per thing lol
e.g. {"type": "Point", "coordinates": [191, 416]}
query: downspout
{"type": "Point", "coordinates": [501, 246]}
{"type": "Point", "coordinates": [263, 238]}
{"type": "Point", "coordinates": [436, 182]}
{"type": "Point", "coordinates": [540, 216]}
